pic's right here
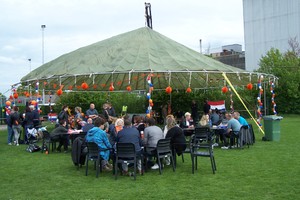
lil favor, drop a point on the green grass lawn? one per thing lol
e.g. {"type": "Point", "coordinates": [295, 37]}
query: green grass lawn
{"type": "Point", "coordinates": [267, 170]}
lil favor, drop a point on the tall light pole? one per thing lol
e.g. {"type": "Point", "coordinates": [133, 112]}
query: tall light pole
{"type": "Point", "coordinates": [29, 60]}
{"type": "Point", "coordinates": [43, 28]}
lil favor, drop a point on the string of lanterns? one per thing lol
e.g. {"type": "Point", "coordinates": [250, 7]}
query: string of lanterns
{"type": "Point", "coordinates": [151, 104]}
{"type": "Point", "coordinates": [259, 101]}
{"type": "Point", "coordinates": [273, 97]}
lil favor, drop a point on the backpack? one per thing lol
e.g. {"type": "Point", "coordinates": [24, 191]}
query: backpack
{"type": "Point", "coordinates": [79, 151]}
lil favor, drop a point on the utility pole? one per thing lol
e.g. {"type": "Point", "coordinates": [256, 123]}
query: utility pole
{"type": "Point", "coordinates": [29, 60]}
{"type": "Point", "coordinates": [43, 28]}
{"type": "Point", "coordinates": [200, 45]}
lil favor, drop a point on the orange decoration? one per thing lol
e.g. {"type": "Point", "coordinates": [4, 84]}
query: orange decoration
{"type": "Point", "coordinates": [27, 94]}
{"type": "Point", "coordinates": [249, 86]}
{"type": "Point", "coordinates": [150, 101]}
{"type": "Point", "coordinates": [188, 90]}
{"type": "Point", "coordinates": [128, 88]}
{"type": "Point", "coordinates": [224, 89]}
{"type": "Point", "coordinates": [168, 90]}
{"type": "Point", "coordinates": [70, 87]}
{"type": "Point", "coordinates": [151, 104]}
{"type": "Point", "coordinates": [7, 103]}
{"type": "Point", "coordinates": [148, 115]}
{"type": "Point", "coordinates": [151, 89]}
{"type": "Point", "coordinates": [33, 102]}
{"type": "Point", "coordinates": [95, 86]}
{"type": "Point", "coordinates": [111, 88]}
{"type": "Point", "coordinates": [84, 86]}
{"type": "Point", "coordinates": [16, 95]}
{"type": "Point", "coordinates": [59, 92]}
{"type": "Point", "coordinates": [54, 85]}
{"type": "Point", "coordinates": [10, 97]}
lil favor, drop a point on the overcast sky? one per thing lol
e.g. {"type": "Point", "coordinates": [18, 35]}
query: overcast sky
{"type": "Point", "coordinates": [71, 24]}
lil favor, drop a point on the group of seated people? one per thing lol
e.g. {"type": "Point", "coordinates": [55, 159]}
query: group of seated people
{"type": "Point", "coordinates": [230, 124]}
{"type": "Point", "coordinates": [143, 133]}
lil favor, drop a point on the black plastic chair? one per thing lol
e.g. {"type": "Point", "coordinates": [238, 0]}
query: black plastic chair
{"type": "Point", "coordinates": [126, 154]}
{"type": "Point", "coordinates": [47, 141]}
{"type": "Point", "coordinates": [93, 154]}
{"type": "Point", "coordinates": [163, 150]}
{"type": "Point", "coordinates": [201, 146]}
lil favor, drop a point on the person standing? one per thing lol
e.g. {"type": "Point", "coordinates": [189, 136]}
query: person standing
{"type": "Point", "coordinates": [194, 108]}
{"type": "Point", "coordinates": [16, 126]}
{"type": "Point", "coordinates": [206, 107]}
{"type": "Point", "coordinates": [63, 115]}
{"type": "Point", "coordinates": [9, 126]}
{"type": "Point", "coordinates": [28, 122]}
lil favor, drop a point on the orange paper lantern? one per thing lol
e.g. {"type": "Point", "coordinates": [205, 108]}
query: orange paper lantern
{"type": "Point", "coordinates": [148, 115]}
{"type": "Point", "coordinates": [224, 89]}
{"type": "Point", "coordinates": [16, 95]}
{"type": "Point", "coordinates": [33, 102]}
{"type": "Point", "coordinates": [249, 86]}
{"type": "Point", "coordinates": [84, 86]}
{"type": "Point", "coordinates": [7, 103]}
{"type": "Point", "coordinates": [59, 92]}
{"type": "Point", "coordinates": [188, 90]}
{"type": "Point", "coordinates": [128, 88]}
{"type": "Point", "coordinates": [168, 90]}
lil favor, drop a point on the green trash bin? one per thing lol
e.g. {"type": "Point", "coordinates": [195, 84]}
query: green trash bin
{"type": "Point", "coordinates": [272, 127]}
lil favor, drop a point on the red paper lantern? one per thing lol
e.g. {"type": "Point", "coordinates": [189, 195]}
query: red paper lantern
{"type": "Point", "coordinates": [128, 88]}
{"type": "Point", "coordinates": [16, 95]}
{"type": "Point", "coordinates": [168, 90]}
{"type": "Point", "coordinates": [224, 89]}
{"type": "Point", "coordinates": [151, 104]}
{"type": "Point", "coordinates": [59, 92]}
{"type": "Point", "coordinates": [111, 88]}
{"type": "Point", "coordinates": [7, 103]}
{"type": "Point", "coordinates": [84, 86]}
{"type": "Point", "coordinates": [249, 86]}
{"type": "Point", "coordinates": [188, 90]}
{"type": "Point", "coordinates": [10, 97]}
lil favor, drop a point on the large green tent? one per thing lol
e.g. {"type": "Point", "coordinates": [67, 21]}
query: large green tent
{"type": "Point", "coordinates": [129, 58]}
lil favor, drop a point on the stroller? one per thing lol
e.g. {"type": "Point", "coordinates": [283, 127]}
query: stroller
{"type": "Point", "coordinates": [33, 135]}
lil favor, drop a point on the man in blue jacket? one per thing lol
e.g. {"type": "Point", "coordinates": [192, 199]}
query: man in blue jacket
{"type": "Point", "coordinates": [97, 135]}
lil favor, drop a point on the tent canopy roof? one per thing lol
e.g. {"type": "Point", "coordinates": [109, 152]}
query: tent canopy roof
{"type": "Point", "coordinates": [137, 52]}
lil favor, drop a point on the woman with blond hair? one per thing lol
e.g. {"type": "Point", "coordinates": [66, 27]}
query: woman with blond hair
{"type": "Point", "coordinates": [178, 141]}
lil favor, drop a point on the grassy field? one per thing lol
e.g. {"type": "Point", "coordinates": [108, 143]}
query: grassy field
{"type": "Point", "coordinates": [267, 170]}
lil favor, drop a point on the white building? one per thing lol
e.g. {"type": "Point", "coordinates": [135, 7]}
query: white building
{"type": "Point", "coordinates": [267, 24]}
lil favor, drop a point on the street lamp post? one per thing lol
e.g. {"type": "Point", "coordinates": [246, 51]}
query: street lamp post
{"type": "Point", "coordinates": [43, 28]}
{"type": "Point", "coordinates": [29, 60]}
